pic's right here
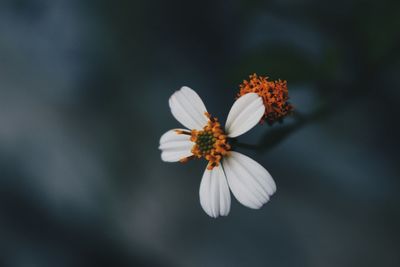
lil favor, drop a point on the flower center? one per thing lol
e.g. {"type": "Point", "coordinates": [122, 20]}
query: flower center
{"type": "Point", "coordinates": [205, 141]}
{"type": "Point", "coordinates": [210, 143]}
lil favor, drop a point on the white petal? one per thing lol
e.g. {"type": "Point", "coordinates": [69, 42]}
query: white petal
{"type": "Point", "coordinates": [215, 197]}
{"type": "Point", "coordinates": [188, 108]}
{"type": "Point", "coordinates": [175, 146]}
{"type": "Point", "coordinates": [249, 182]}
{"type": "Point", "coordinates": [245, 113]}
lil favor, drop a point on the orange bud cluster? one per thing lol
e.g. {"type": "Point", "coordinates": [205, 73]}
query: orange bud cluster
{"type": "Point", "coordinates": [275, 96]}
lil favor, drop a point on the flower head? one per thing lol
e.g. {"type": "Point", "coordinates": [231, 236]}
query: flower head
{"type": "Point", "coordinates": [249, 182]}
{"type": "Point", "coordinates": [210, 142]}
{"type": "Point", "coordinates": [275, 96]}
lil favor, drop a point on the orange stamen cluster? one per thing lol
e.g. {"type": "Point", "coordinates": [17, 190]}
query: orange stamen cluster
{"type": "Point", "coordinates": [210, 143]}
{"type": "Point", "coordinates": [275, 96]}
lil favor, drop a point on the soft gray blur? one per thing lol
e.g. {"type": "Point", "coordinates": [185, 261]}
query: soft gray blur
{"type": "Point", "coordinates": [84, 88]}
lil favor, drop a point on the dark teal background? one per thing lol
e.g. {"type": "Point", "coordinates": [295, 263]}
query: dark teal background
{"type": "Point", "coordinates": [84, 88]}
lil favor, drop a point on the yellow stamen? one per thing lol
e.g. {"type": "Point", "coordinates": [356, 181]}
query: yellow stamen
{"type": "Point", "coordinates": [182, 132]}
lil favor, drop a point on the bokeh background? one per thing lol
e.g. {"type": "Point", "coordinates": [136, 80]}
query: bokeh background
{"type": "Point", "coordinates": [84, 88]}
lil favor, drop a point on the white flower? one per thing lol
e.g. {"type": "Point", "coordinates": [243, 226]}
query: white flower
{"type": "Point", "coordinates": [250, 183]}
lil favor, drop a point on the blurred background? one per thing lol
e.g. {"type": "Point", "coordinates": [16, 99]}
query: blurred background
{"type": "Point", "coordinates": [84, 88]}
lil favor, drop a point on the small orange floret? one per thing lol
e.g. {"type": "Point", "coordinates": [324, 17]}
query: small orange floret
{"type": "Point", "coordinates": [210, 143]}
{"type": "Point", "coordinates": [275, 96]}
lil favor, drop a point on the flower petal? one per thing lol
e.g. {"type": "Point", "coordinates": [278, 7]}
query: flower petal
{"type": "Point", "coordinates": [249, 182]}
{"type": "Point", "coordinates": [175, 146]}
{"type": "Point", "coordinates": [215, 197]}
{"type": "Point", "coordinates": [245, 113]}
{"type": "Point", "coordinates": [188, 108]}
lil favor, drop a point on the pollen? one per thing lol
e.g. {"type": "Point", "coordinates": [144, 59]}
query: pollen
{"type": "Point", "coordinates": [275, 96]}
{"type": "Point", "coordinates": [210, 143]}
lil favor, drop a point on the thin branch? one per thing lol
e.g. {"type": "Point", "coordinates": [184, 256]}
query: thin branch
{"type": "Point", "coordinates": [275, 136]}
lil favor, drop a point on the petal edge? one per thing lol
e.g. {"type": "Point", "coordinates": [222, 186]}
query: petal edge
{"type": "Point", "coordinates": [175, 146]}
{"type": "Point", "coordinates": [188, 108]}
{"type": "Point", "coordinates": [245, 113]}
{"type": "Point", "coordinates": [250, 183]}
{"type": "Point", "coordinates": [215, 198]}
